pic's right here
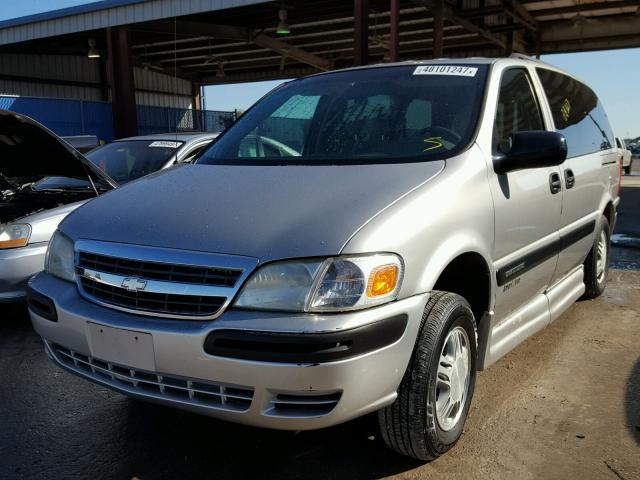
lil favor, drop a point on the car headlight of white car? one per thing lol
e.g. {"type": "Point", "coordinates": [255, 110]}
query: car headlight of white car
{"type": "Point", "coordinates": [13, 235]}
{"type": "Point", "coordinates": [60, 257]}
{"type": "Point", "coordinates": [324, 285]}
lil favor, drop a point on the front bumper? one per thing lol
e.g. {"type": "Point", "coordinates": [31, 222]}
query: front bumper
{"type": "Point", "coordinates": [18, 265]}
{"type": "Point", "coordinates": [278, 394]}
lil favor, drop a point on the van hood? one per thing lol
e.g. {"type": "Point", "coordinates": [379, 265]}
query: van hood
{"type": "Point", "coordinates": [30, 151]}
{"type": "Point", "coordinates": [266, 212]}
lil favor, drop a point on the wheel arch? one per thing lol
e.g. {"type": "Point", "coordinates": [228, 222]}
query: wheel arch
{"type": "Point", "coordinates": [610, 214]}
{"type": "Point", "coordinates": [469, 275]}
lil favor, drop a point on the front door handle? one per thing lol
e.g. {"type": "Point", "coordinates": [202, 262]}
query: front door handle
{"type": "Point", "coordinates": [555, 184]}
{"type": "Point", "coordinates": [569, 178]}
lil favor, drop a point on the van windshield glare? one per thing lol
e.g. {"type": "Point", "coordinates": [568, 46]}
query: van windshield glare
{"type": "Point", "coordinates": [376, 115]}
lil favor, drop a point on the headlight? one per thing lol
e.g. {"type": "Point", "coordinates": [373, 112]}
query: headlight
{"type": "Point", "coordinates": [14, 235]}
{"type": "Point", "coordinates": [331, 285]}
{"type": "Point", "coordinates": [60, 257]}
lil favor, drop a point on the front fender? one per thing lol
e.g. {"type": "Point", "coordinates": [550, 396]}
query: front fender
{"type": "Point", "coordinates": [449, 215]}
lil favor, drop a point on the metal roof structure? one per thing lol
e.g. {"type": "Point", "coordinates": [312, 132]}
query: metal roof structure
{"type": "Point", "coordinates": [216, 41]}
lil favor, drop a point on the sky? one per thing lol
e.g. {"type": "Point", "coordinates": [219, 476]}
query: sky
{"type": "Point", "coordinates": [614, 75]}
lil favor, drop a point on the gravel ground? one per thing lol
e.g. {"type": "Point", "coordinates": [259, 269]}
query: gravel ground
{"type": "Point", "coordinates": [565, 404]}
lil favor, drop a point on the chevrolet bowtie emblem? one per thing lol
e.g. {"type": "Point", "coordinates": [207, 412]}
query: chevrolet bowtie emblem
{"type": "Point", "coordinates": [134, 284]}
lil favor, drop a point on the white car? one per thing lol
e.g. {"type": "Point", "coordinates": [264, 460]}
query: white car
{"type": "Point", "coordinates": [627, 158]}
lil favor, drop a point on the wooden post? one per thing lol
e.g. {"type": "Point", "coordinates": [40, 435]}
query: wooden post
{"type": "Point", "coordinates": [360, 32]}
{"type": "Point", "coordinates": [123, 93]}
{"type": "Point", "coordinates": [438, 30]}
{"type": "Point", "coordinates": [394, 33]}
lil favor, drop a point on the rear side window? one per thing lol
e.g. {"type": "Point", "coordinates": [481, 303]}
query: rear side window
{"type": "Point", "coordinates": [517, 111]}
{"type": "Point", "coordinates": [577, 114]}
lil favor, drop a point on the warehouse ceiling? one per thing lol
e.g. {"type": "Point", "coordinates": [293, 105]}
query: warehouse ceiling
{"type": "Point", "coordinates": [240, 44]}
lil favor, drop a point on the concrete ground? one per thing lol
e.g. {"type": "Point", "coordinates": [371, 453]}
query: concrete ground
{"type": "Point", "coordinates": [565, 404]}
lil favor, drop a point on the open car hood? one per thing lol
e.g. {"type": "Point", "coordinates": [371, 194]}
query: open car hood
{"type": "Point", "coordinates": [29, 150]}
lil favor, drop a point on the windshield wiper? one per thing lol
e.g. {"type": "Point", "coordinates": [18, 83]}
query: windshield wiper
{"type": "Point", "coordinates": [71, 188]}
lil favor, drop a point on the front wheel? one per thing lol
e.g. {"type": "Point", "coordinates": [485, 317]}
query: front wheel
{"type": "Point", "coordinates": [433, 400]}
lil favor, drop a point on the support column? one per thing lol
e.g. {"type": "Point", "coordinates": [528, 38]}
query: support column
{"type": "Point", "coordinates": [360, 32]}
{"type": "Point", "coordinates": [196, 96]}
{"type": "Point", "coordinates": [508, 49]}
{"type": "Point", "coordinates": [196, 105]}
{"type": "Point", "coordinates": [123, 93]}
{"type": "Point", "coordinates": [394, 32]}
{"type": "Point", "coordinates": [104, 79]}
{"type": "Point", "coordinates": [438, 30]}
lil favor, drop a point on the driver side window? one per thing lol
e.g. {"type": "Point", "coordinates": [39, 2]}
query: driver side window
{"type": "Point", "coordinates": [518, 109]}
{"type": "Point", "coordinates": [284, 132]}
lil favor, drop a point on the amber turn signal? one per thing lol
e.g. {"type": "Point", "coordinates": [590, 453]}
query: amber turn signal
{"type": "Point", "coordinates": [13, 243]}
{"type": "Point", "coordinates": [14, 235]}
{"type": "Point", "coordinates": [382, 280]}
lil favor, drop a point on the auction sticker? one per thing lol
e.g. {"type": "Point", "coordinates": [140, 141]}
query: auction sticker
{"type": "Point", "coordinates": [455, 70]}
{"type": "Point", "coordinates": [165, 144]}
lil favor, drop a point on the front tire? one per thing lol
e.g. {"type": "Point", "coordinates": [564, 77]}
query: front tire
{"type": "Point", "coordinates": [433, 400]}
{"type": "Point", "coordinates": [596, 266]}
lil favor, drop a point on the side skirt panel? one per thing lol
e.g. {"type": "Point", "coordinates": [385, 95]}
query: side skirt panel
{"type": "Point", "coordinates": [564, 293]}
{"type": "Point", "coordinates": [503, 336]}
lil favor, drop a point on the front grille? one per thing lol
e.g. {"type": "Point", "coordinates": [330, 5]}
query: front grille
{"type": "Point", "coordinates": [164, 303]}
{"type": "Point", "coordinates": [159, 282]}
{"type": "Point", "coordinates": [156, 385]}
{"type": "Point", "coordinates": [292, 405]}
{"type": "Point", "coordinates": [221, 277]}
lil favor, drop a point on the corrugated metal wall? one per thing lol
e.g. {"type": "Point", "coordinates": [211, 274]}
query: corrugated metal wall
{"type": "Point", "coordinates": [57, 68]}
{"type": "Point", "coordinates": [160, 90]}
{"type": "Point", "coordinates": [44, 76]}
{"type": "Point", "coordinates": [30, 89]}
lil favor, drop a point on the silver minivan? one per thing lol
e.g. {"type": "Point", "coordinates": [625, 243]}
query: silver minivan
{"type": "Point", "coordinates": [359, 241]}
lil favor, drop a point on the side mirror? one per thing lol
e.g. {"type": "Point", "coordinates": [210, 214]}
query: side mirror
{"type": "Point", "coordinates": [533, 149]}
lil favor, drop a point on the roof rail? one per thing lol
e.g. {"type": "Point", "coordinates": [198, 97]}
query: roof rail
{"type": "Point", "coordinates": [522, 56]}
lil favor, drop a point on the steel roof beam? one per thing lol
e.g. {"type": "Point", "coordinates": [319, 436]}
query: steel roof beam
{"type": "Point", "coordinates": [593, 29]}
{"type": "Point", "coordinates": [453, 16]}
{"type": "Point", "coordinates": [256, 37]}
{"type": "Point", "coordinates": [452, 32]}
{"type": "Point", "coordinates": [520, 14]}
{"type": "Point", "coordinates": [292, 38]}
{"type": "Point", "coordinates": [585, 8]}
{"type": "Point", "coordinates": [229, 64]}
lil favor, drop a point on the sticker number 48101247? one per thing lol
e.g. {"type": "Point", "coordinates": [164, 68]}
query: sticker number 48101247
{"type": "Point", "coordinates": [456, 70]}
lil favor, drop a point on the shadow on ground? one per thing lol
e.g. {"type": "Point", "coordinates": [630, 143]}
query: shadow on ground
{"type": "Point", "coordinates": [166, 442]}
{"type": "Point", "coordinates": [632, 402]}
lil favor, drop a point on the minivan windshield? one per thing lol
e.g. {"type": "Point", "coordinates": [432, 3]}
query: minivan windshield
{"type": "Point", "coordinates": [375, 115]}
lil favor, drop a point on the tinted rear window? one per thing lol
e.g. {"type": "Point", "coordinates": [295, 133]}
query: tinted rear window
{"type": "Point", "coordinates": [577, 114]}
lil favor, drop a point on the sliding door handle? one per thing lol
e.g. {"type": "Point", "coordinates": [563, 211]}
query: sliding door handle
{"type": "Point", "coordinates": [555, 184]}
{"type": "Point", "coordinates": [569, 178]}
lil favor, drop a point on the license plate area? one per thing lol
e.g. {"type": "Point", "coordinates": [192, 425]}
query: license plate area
{"type": "Point", "coordinates": [123, 347]}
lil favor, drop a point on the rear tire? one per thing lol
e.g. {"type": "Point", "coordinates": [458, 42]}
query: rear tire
{"type": "Point", "coordinates": [627, 170]}
{"type": "Point", "coordinates": [596, 266]}
{"type": "Point", "coordinates": [433, 400]}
